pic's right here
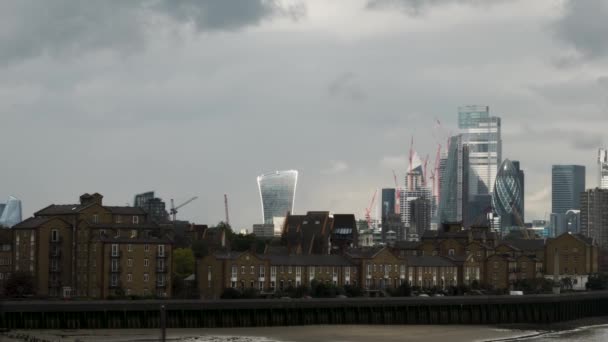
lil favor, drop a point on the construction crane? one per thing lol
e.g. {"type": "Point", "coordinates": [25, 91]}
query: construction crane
{"type": "Point", "coordinates": [368, 211]}
{"type": "Point", "coordinates": [397, 193]}
{"type": "Point", "coordinates": [226, 209]}
{"type": "Point", "coordinates": [435, 176]}
{"type": "Point", "coordinates": [426, 162]}
{"type": "Point", "coordinates": [174, 209]}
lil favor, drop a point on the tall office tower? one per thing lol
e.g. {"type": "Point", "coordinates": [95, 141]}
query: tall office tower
{"type": "Point", "coordinates": [567, 184]}
{"type": "Point", "coordinates": [507, 197]}
{"type": "Point", "coordinates": [154, 206]}
{"type": "Point", "coordinates": [415, 188]}
{"type": "Point", "coordinates": [11, 215]}
{"type": "Point", "coordinates": [454, 190]}
{"type": "Point", "coordinates": [277, 194]}
{"type": "Point", "coordinates": [387, 208]}
{"type": "Point", "coordinates": [594, 215]}
{"type": "Point", "coordinates": [522, 182]}
{"type": "Point", "coordinates": [602, 161]}
{"type": "Point", "coordinates": [482, 133]}
{"type": "Point", "coordinates": [420, 209]}
{"type": "Point", "coordinates": [573, 221]}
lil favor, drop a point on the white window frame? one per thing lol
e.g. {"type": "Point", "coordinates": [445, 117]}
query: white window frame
{"type": "Point", "coordinates": [54, 235]}
{"type": "Point", "coordinates": [146, 277]}
{"type": "Point", "coordinates": [161, 250]}
{"type": "Point", "coordinates": [135, 219]}
{"type": "Point", "coordinates": [115, 250]}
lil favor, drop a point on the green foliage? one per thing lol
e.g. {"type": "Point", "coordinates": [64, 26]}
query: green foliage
{"type": "Point", "coordinates": [242, 242]}
{"type": "Point", "coordinates": [20, 284]}
{"type": "Point", "coordinates": [183, 262]}
{"type": "Point", "coordinates": [597, 281]}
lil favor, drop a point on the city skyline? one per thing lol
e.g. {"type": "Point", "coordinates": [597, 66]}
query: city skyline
{"type": "Point", "coordinates": [334, 90]}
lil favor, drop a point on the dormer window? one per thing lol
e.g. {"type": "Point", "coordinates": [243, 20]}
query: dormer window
{"type": "Point", "coordinates": [135, 219]}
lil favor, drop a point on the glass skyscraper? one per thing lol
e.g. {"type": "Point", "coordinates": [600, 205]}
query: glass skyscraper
{"type": "Point", "coordinates": [507, 198]}
{"type": "Point", "coordinates": [567, 184]}
{"type": "Point", "coordinates": [11, 215]}
{"type": "Point", "coordinates": [277, 193]}
{"type": "Point", "coordinates": [482, 133]}
{"type": "Point", "coordinates": [454, 190]}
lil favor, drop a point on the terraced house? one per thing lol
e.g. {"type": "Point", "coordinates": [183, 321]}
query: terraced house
{"type": "Point", "coordinates": [92, 250]}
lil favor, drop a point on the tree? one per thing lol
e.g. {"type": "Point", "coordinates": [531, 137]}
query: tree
{"type": "Point", "coordinates": [183, 262]}
{"type": "Point", "coordinates": [20, 284]}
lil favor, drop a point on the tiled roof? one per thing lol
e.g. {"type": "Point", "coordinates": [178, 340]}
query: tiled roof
{"type": "Point", "coordinates": [33, 222]}
{"type": "Point", "coordinates": [277, 250]}
{"type": "Point", "coordinates": [364, 252]}
{"type": "Point", "coordinates": [126, 210]}
{"type": "Point", "coordinates": [526, 244]}
{"type": "Point", "coordinates": [408, 245]}
{"type": "Point", "coordinates": [123, 240]}
{"type": "Point", "coordinates": [429, 261]}
{"type": "Point", "coordinates": [147, 225]}
{"type": "Point", "coordinates": [59, 209]}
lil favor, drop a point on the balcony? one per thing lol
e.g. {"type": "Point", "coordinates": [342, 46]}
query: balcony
{"type": "Point", "coordinates": [57, 239]}
{"type": "Point", "coordinates": [116, 254]}
{"type": "Point", "coordinates": [161, 256]}
{"type": "Point", "coordinates": [55, 254]}
{"type": "Point", "coordinates": [115, 285]}
{"type": "Point", "coordinates": [115, 269]}
{"type": "Point", "coordinates": [160, 269]}
{"type": "Point", "coordinates": [161, 285]}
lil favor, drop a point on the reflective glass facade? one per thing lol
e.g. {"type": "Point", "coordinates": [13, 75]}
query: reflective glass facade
{"type": "Point", "coordinates": [567, 184]}
{"type": "Point", "coordinates": [277, 193]}
{"type": "Point", "coordinates": [603, 168]}
{"type": "Point", "coordinates": [482, 133]}
{"type": "Point", "coordinates": [507, 198]}
{"type": "Point", "coordinates": [454, 189]}
{"type": "Point", "coordinates": [11, 215]}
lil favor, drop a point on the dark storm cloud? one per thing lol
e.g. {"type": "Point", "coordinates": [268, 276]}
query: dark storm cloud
{"type": "Point", "coordinates": [64, 28]}
{"type": "Point", "coordinates": [418, 7]}
{"type": "Point", "coordinates": [228, 14]}
{"type": "Point", "coordinates": [584, 25]}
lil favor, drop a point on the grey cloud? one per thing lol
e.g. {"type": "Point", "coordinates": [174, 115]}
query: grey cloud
{"type": "Point", "coordinates": [345, 86]}
{"type": "Point", "coordinates": [585, 27]}
{"type": "Point", "coordinates": [64, 28]}
{"type": "Point", "coordinates": [419, 7]}
{"type": "Point", "coordinates": [577, 139]}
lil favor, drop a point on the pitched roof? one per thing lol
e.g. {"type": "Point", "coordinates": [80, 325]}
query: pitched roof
{"type": "Point", "coordinates": [364, 252]}
{"type": "Point", "coordinates": [58, 209]}
{"type": "Point", "coordinates": [147, 225]}
{"type": "Point", "coordinates": [407, 245]}
{"type": "Point", "coordinates": [276, 250]}
{"type": "Point", "coordinates": [429, 261]}
{"type": "Point", "coordinates": [34, 222]}
{"type": "Point", "coordinates": [138, 240]}
{"type": "Point", "coordinates": [125, 210]}
{"type": "Point", "coordinates": [526, 244]}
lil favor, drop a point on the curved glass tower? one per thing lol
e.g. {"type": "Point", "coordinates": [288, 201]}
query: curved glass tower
{"type": "Point", "coordinates": [278, 193]}
{"type": "Point", "coordinates": [507, 198]}
{"type": "Point", "coordinates": [11, 215]}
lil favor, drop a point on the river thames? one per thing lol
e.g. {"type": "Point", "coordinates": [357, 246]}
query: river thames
{"type": "Point", "coordinates": [346, 333]}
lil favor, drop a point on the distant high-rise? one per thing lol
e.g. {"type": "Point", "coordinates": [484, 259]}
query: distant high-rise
{"type": "Point", "coordinates": [277, 194]}
{"type": "Point", "coordinates": [603, 168]}
{"type": "Point", "coordinates": [567, 184]}
{"type": "Point", "coordinates": [594, 215]}
{"type": "Point", "coordinates": [507, 197]}
{"type": "Point", "coordinates": [155, 207]}
{"type": "Point", "coordinates": [388, 202]}
{"type": "Point", "coordinates": [482, 133]}
{"type": "Point", "coordinates": [522, 182]}
{"type": "Point", "coordinates": [11, 215]}
{"type": "Point", "coordinates": [454, 190]}
{"type": "Point", "coordinates": [415, 188]}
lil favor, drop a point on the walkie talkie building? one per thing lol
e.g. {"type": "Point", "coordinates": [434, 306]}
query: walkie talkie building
{"type": "Point", "coordinates": [277, 193]}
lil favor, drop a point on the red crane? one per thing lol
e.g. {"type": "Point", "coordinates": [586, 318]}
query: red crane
{"type": "Point", "coordinates": [436, 176]}
{"type": "Point", "coordinates": [397, 193]}
{"type": "Point", "coordinates": [426, 162]}
{"type": "Point", "coordinates": [368, 211]}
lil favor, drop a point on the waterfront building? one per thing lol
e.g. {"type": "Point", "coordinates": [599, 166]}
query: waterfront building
{"type": "Point", "coordinates": [277, 194]}
{"type": "Point", "coordinates": [318, 232]}
{"type": "Point", "coordinates": [602, 161]}
{"type": "Point", "coordinates": [454, 188]}
{"type": "Point", "coordinates": [6, 256]}
{"type": "Point", "coordinates": [154, 206]}
{"type": "Point", "coordinates": [507, 197]}
{"type": "Point", "coordinates": [594, 221]}
{"type": "Point", "coordinates": [482, 133]}
{"type": "Point", "coordinates": [11, 214]}
{"type": "Point", "coordinates": [571, 256]}
{"type": "Point", "coordinates": [93, 250]}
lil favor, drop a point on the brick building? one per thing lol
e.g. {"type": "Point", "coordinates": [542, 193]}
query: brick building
{"type": "Point", "coordinates": [91, 250]}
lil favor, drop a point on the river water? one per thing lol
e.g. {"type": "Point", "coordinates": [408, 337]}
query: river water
{"type": "Point", "coordinates": [347, 333]}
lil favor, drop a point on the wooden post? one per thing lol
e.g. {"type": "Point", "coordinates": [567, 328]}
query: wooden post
{"type": "Point", "coordinates": [163, 323]}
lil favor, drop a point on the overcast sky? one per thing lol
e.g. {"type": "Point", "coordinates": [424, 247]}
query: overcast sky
{"type": "Point", "coordinates": [197, 98]}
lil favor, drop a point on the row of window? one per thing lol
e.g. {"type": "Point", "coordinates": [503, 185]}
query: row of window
{"type": "Point", "coordinates": [116, 249]}
{"type": "Point", "coordinates": [5, 261]}
{"type": "Point", "coordinates": [117, 219]}
{"type": "Point", "coordinates": [160, 279]}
